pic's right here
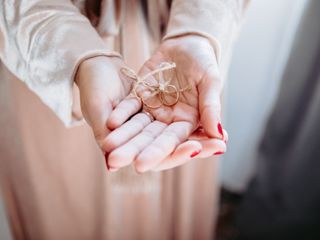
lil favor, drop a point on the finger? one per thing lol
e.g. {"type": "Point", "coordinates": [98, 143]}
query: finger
{"type": "Point", "coordinates": [126, 153]}
{"type": "Point", "coordinates": [183, 153]}
{"type": "Point", "coordinates": [125, 132]}
{"type": "Point", "coordinates": [187, 151]}
{"type": "Point", "coordinates": [123, 111]}
{"type": "Point", "coordinates": [163, 145]}
{"type": "Point", "coordinates": [209, 103]}
{"type": "Point", "coordinates": [225, 136]}
{"type": "Point", "coordinates": [211, 147]}
{"type": "Point", "coordinates": [199, 134]}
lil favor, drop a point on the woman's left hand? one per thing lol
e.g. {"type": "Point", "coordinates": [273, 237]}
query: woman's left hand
{"type": "Point", "coordinates": [164, 143]}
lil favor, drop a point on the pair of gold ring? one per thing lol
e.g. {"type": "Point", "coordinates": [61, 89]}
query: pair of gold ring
{"type": "Point", "coordinates": [167, 93]}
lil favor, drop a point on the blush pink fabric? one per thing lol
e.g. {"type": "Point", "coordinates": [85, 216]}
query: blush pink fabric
{"type": "Point", "coordinates": [53, 178]}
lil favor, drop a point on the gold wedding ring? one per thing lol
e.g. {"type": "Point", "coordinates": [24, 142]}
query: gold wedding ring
{"type": "Point", "coordinates": [166, 93]}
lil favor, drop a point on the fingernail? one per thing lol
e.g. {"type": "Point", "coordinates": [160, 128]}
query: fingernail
{"type": "Point", "coordinates": [218, 153]}
{"type": "Point", "coordinates": [195, 153]}
{"type": "Point", "coordinates": [220, 129]}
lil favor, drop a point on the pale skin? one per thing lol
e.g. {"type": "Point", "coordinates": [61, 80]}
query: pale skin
{"type": "Point", "coordinates": [173, 138]}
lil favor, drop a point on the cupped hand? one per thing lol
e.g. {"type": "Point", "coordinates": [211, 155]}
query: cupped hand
{"type": "Point", "coordinates": [151, 144]}
{"type": "Point", "coordinates": [198, 145]}
{"type": "Point", "coordinates": [101, 89]}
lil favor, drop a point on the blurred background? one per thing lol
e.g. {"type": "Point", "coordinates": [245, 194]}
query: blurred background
{"type": "Point", "coordinates": [259, 61]}
{"type": "Point", "coordinates": [270, 174]}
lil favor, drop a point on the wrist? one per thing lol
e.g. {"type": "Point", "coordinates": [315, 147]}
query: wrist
{"type": "Point", "coordinates": [187, 37]}
{"type": "Point", "coordinates": [92, 65]}
{"type": "Point", "coordinates": [188, 41]}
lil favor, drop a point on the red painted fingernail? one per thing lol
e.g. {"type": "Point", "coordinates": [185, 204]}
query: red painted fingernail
{"type": "Point", "coordinates": [218, 153]}
{"type": "Point", "coordinates": [220, 129]}
{"type": "Point", "coordinates": [195, 153]}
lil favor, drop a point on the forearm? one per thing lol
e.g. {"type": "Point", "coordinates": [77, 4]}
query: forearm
{"type": "Point", "coordinates": [42, 43]}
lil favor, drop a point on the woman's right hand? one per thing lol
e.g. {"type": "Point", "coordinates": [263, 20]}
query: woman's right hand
{"type": "Point", "coordinates": [101, 89]}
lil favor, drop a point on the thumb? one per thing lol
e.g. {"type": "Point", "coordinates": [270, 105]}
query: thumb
{"type": "Point", "coordinates": [210, 104]}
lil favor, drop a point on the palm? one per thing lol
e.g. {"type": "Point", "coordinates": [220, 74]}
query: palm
{"type": "Point", "coordinates": [185, 109]}
{"type": "Point", "coordinates": [150, 142]}
{"type": "Point", "coordinates": [101, 89]}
